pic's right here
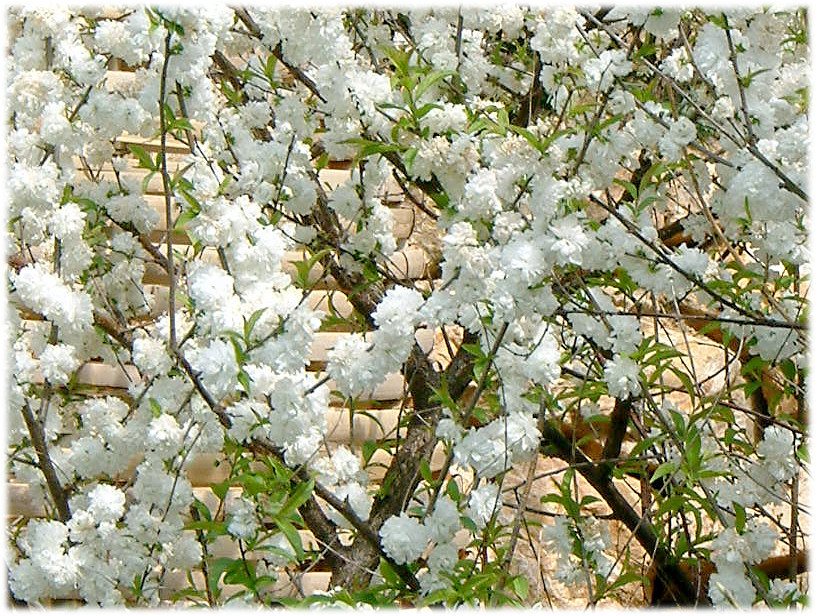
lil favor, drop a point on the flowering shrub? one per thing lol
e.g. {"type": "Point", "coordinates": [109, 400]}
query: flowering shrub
{"type": "Point", "coordinates": [604, 188]}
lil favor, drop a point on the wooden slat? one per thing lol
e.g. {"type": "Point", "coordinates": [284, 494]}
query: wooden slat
{"type": "Point", "coordinates": [205, 469]}
{"type": "Point", "coordinates": [153, 144]}
{"type": "Point", "coordinates": [97, 374]}
{"type": "Point", "coordinates": [23, 503]}
{"type": "Point", "coordinates": [310, 583]}
{"type": "Point", "coordinates": [324, 341]}
{"type": "Point", "coordinates": [404, 221]}
{"type": "Point", "coordinates": [316, 300]}
{"type": "Point", "coordinates": [408, 264]}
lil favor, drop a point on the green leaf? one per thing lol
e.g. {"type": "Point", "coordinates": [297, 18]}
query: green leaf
{"type": "Point", "coordinates": [202, 509]}
{"type": "Point", "coordinates": [145, 162]}
{"type": "Point", "coordinates": [530, 137]}
{"type": "Point", "coordinates": [440, 198]}
{"type": "Point", "coordinates": [802, 453]}
{"type": "Point", "coordinates": [520, 586]}
{"type": "Point", "coordinates": [249, 324]}
{"type": "Point", "coordinates": [220, 489]}
{"type": "Point", "coordinates": [304, 267]}
{"type": "Point", "coordinates": [185, 217]}
{"type": "Point", "coordinates": [475, 350]}
{"type": "Point", "coordinates": [656, 170]}
{"type": "Point", "coordinates": [369, 447]}
{"type": "Point", "coordinates": [429, 80]}
{"type": "Point", "coordinates": [452, 490]}
{"type": "Point", "coordinates": [241, 572]}
{"type": "Point", "coordinates": [243, 380]}
{"type": "Point", "coordinates": [408, 158]}
{"type": "Point", "coordinates": [399, 58]}
{"type": "Point", "coordinates": [367, 148]}
{"type": "Point", "coordinates": [291, 534]}
{"type": "Point", "coordinates": [252, 483]}
{"type": "Point", "coordinates": [389, 575]}
{"type": "Point", "coordinates": [739, 523]}
{"type": "Point", "coordinates": [218, 566]}
{"type": "Point", "coordinates": [425, 109]}
{"type": "Point", "coordinates": [299, 496]}
{"type": "Point", "coordinates": [667, 468]}
{"type": "Point", "coordinates": [269, 69]}
{"type": "Point", "coordinates": [630, 188]}
{"type": "Point", "coordinates": [425, 471]}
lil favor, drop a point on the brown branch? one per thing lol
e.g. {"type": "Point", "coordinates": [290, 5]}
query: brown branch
{"type": "Point", "coordinates": [555, 443]}
{"type": "Point", "coordinates": [297, 73]}
{"type": "Point", "coordinates": [618, 421]}
{"type": "Point", "coordinates": [403, 474]}
{"type": "Point", "coordinates": [46, 465]}
{"type": "Point", "coordinates": [471, 406]}
{"type": "Point", "coordinates": [168, 208]}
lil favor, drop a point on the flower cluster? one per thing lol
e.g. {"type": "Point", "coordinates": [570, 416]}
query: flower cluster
{"type": "Point", "coordinates": [590, 187]}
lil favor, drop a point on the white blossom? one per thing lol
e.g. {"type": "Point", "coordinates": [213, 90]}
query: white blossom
{"type": "Point", "coordinates": [403, 538]}
{"type": "Point", "coordinates": [622, 376]}
{"type": "Point", "coordinates": [106, 503]}
{"type": "Point", "coordinates": [57, 362]}
{"type": "Point", "coordinates": [483, 503]}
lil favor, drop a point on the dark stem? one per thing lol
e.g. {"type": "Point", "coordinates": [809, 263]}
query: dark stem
{"type": "Point", "coordinates": [37, 435]}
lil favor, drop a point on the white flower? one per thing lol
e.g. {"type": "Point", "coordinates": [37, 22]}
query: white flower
{"type": "Point", "coordinates": [67, 221]}
{"type": "Point", "coordinates": [594, 536]}
{"type": "Point", "coordinates": [346, 464]}
{"type": "Point", "coordinates": [398, 308]}
{"type": "Point", "coordinates": [601, 72]}
{"type": "Point", "coordinates": [567, 240]}
{"type": "Point", "coordinates": [183, 552]}
{"type": "Point", "coordinates": [622, 377]}
{"type": "Point", "coordinates": [351, 367]}
{"type": "Point", "coordinates": [723, 109]}
{"type": "Point", "coordinates": [345, 201]}
{"type": "Point", "coordinates": [44, 543]}
{"type": "Point", "coordinates": [557, 535]}
{"type": "Point", "coordinates": [218, 367]}
{"type": "Point", "coordinates": [443, 557]}
{"type": "Point", "coordinates": [209, 285]}
{"type": "Point", "coordinates": [280, 544]}
{"type": "Point", "coordinates": [443, 523]}
{"type": "Point", "coordinates": [544, 363]}
{"type": "Point", "coordinates": [483, 502]}
{"type": "Point", "coordinates": [357, 498]}
{"type": "Point", "coordinates": [304, 447]}
{"type": "Point", "coordinates": [521, 433]}
{"type": "Point", "coordinates": [777, 451]}
{"type": "Point", "coordinates": [403, 538]}
{"type": "Point", "coordinates": [626, 334]}
{"type": "Point", "coordinates": [484, 451]}
{"type": "Point", "coordinates": [57, 362]}
{"type": "Point", "coordinates": [776, 343]}
{"type": "Point", "coordinates": [243, 520]}
{"type": "Point", "coordinates": [678, 66]}
{"type": "Point", "coordinates": [783, 590]}
{"type": "Point", "coordinates": [681, 133]}
{"type": "Point", "coordinates": [47, 294]}
{"type": "Point", "coordinates": [106, 503]}
{"type": "Point", "coordinates": [150, 356]}
{"type": "Point", "coordinates": [730, 587]}
{"type": "Point", "coordinates": [164, 435]}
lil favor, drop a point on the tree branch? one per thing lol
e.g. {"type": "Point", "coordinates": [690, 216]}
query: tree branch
{"type": "Point", "coordinates": [46, 465]}
{"type": "Point", "coordinates": [553, 442]}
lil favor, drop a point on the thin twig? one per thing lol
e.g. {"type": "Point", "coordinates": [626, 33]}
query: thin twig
{"type": "Point", "coordinates": [168, 207]}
